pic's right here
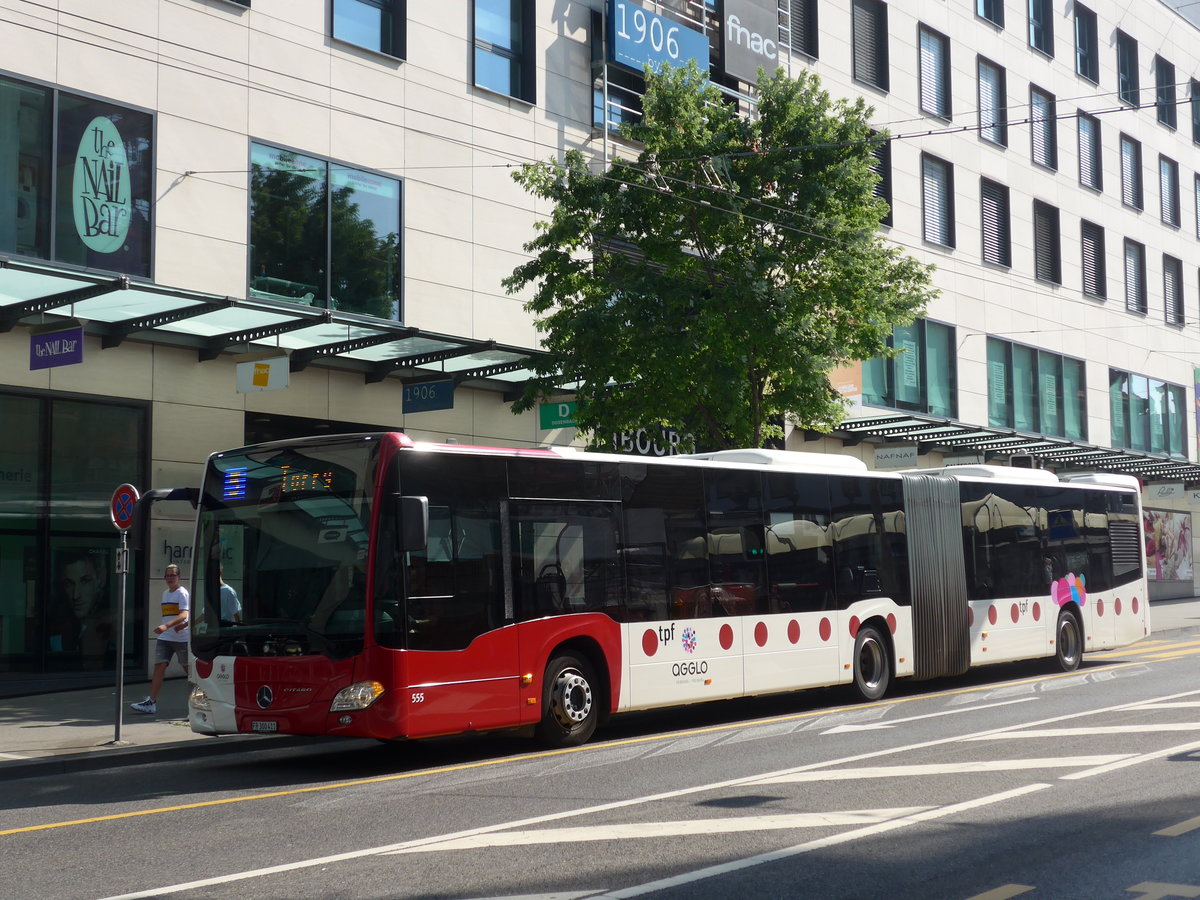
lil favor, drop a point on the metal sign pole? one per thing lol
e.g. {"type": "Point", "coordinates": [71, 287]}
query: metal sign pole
{"type": "Point", "coordinates": [122, 569]}
{"type": "Point", "coordinates": [122, 513]}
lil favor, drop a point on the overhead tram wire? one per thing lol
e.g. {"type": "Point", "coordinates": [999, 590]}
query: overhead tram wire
{"type": "Point", "coordinates": [139, 54]}
{"type": "Point", "coordinates": [193, 68]}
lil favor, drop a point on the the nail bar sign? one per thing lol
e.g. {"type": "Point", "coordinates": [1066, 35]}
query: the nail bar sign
{"type": "Point", "coordinates": [62, 347]}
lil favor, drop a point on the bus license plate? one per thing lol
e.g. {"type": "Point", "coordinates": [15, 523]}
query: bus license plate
{"type": "Point", "coordinates": [264, 727]}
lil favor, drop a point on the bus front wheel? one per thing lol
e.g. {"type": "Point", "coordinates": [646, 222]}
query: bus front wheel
{"type": "Point", "coordinates": [872, 666]}
{"type": "Point", "coordinates": [570, 707]}
{"type": "Point", "coordinates": [1068, 644]}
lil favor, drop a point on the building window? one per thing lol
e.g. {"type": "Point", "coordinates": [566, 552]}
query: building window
{"type": "Point", "coordinates": [1135, 277]}
{"type": "Point", "coordinates": [995, 223]}
{"type": "Point", "coordinates": [870, 51]}
{"type": "Point", "coordinates": [1194, 94]}
{"type": "Point", "coordinates": [935, 73]}
{"type": "Point", "coordinates": [1087, 44]}
{"type": "Point", "coordinates": [378, 25]}
{"type": "Point", "coordinates": [1043, 127]}
{"type": "Point", "coordinates": [1165, 98]}
{"type": "Point", "coordinates": [937, 200]}
{"type": "Point", "coordinates": [1196, 195]}
{"type": "Point", "coordinates": [1047, 257]}
{"type": "Point", "coordinates": [1041, 26]}
{"type": "Point", "coordinates": [323, 234]}
{"type": "Point", "coordinates": [1036, 391]}
{"type": "Point", "coordinates": [1168, 191]}
{"type": "Point", "coordinates": [1090, 167]}
{"type": "Point", "coordinates": [1127, 69]}
{"type": "Point", "coordinates": [993, 103]}
{"type": "Point", "coordinates": [1131, 172]}
{"type": "Point", "coordinates": [803, 27]}
{"type": "Point", "coordinates": [921, 377]}
{"type": "Point", "coordinates": [882, 168]}
{"type": "Point", "coordinates": [1147, 414]}
{"type": "Point", "coordinates": [1095, 280]}
{"type": "Point", "coordinates": [77, 175]}
{"type": "Point", "coordinates": [62, 458]}
{"type": "Point", "coordinates": [992, 10]}
{"type": "Point", "coordinates": [504, 45]}
{"type": "Point", "coordinates": [1172, 290]}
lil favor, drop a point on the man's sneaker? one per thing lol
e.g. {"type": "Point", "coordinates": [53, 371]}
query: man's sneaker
{"type": "Point", "coordinates": [145, 706]}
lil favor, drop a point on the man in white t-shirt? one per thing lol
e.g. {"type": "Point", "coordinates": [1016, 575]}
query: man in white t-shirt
{"type": "Point", "coordinates": [173, 634]}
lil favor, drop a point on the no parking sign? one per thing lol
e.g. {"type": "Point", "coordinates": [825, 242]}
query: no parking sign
{"type": "Point", "coordinates": [124, 501]}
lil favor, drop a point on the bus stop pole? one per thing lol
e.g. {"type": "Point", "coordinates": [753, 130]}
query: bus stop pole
{"type": "Point", "coordinates": [122, 569]}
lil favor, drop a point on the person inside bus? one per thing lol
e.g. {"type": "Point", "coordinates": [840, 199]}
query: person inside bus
{"type": "Point", "coordinates": [231, 606]}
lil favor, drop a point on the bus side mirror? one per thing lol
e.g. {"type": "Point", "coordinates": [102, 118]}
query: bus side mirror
{"type": "Point", "coordinates": [413, 523]}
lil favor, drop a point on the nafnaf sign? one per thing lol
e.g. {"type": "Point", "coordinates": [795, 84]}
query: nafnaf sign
{"type": "Point", "coordinates": [637, 37]}
{"type": "Point", "coordinates": [750, 38]}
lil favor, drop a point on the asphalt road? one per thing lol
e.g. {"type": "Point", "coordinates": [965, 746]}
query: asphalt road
{"type": "Point", "coordinates": [1010, 782]}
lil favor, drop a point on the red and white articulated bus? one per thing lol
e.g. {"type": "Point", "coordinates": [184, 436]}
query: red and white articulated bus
{"type": "Point", "coordinates": [393, 589]}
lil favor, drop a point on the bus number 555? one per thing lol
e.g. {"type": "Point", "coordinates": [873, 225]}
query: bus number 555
{"type": "Point", "coordinates": [418, 697]}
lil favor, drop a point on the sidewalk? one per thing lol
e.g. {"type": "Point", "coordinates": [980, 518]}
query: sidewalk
{"type": "Point", "coordinates": [74, 730]}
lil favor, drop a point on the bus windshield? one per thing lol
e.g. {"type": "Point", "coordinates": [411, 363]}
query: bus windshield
{"type": "Point", "coordinates": [281, 555]}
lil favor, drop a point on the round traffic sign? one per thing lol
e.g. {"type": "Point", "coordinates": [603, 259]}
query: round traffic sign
{"type": "Point", "coordinates": [124, 500]}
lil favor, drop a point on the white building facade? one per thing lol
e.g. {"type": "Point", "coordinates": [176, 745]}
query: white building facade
{"type": "Point", "coordinates": [223, 222]}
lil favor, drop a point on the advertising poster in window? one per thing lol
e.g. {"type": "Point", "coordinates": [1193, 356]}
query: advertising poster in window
{"type": "Point", "coordinates": [105, 177]}
{"type": "Point", "coordinates": [80, 619]}
{"type": "Point", "coordinates": [1196, 379]}
{"type": "Point", "coordinates": [1168, 545]}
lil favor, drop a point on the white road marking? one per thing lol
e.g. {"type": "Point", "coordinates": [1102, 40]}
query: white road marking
{"type": "Point", "coordinates": [636, 830]}
{"type": "Point", "coordinates": [1180, 704]}
{"type": "Point", "coordinates": [819, 844]}
{"type": "Point", "coordinates": [1087, 732]}
{"type": "Point", "coordinates": [960, 768]}
{"type": "Point", "coordinates": [1132, 761]}
{"type": "Point", "coordinates": [1004, 892]}
{"type": "Point", "coordinates": [1180, 829]}
{"type": "Point", "coordinates": [606, 807]}
{"type": "Point", "coordinates": [842, 729]}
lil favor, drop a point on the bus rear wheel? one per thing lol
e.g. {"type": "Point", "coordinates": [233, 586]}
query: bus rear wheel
{"type": "Point", "coordinates": [570, 705]}
{"type": "Point", "coordinates": [872, 663]}
{"type": "Point", "coordinates": [1068, 642]}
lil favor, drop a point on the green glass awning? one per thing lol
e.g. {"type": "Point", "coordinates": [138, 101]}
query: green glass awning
{"type": "Point", "coordinates": [116, 308]}
{"type": "Point", "coordinates": [950, 436]}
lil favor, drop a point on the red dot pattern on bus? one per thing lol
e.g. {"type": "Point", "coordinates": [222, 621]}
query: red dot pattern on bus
{"type": "Point", "coordinates": [760, 634]}
{"type": "Point", "coordinates": [726, 637]}
{"type": "Point", "coordinates": [891, 620]}
{"type": "Point", "coordinates": [826, 629]}
{"type": "Point", "coordinates": [649, 642]}
{"type": "Point", "coordinates": [992, 615]}
{"type": "Point", "coordinates": [1100, 608]}
{"type": "Point", "coordinates": [794, 631]}
{"type": "Point", "coordinates": [854, 626]}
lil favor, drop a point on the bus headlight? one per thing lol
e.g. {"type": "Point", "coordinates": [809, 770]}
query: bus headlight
{"type": "Point", "coordinates": [199, 700]}
{"type": "Point", "coordinates": [357, 696]}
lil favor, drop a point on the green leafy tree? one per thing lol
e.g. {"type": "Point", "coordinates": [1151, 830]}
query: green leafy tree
{"type": "Point", "coordinates": [712, 284]}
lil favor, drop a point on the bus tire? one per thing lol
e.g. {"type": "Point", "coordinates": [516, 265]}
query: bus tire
{"type": "Point", "coordinates": [570, 703]}
{"type": "Point", "coordinates": [1068, 641]}
{"type": "Point", "coordinates": [872, 663]}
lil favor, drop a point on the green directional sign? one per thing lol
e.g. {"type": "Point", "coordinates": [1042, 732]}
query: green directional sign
{"type": "Point", "coordinates": [557, 415]}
